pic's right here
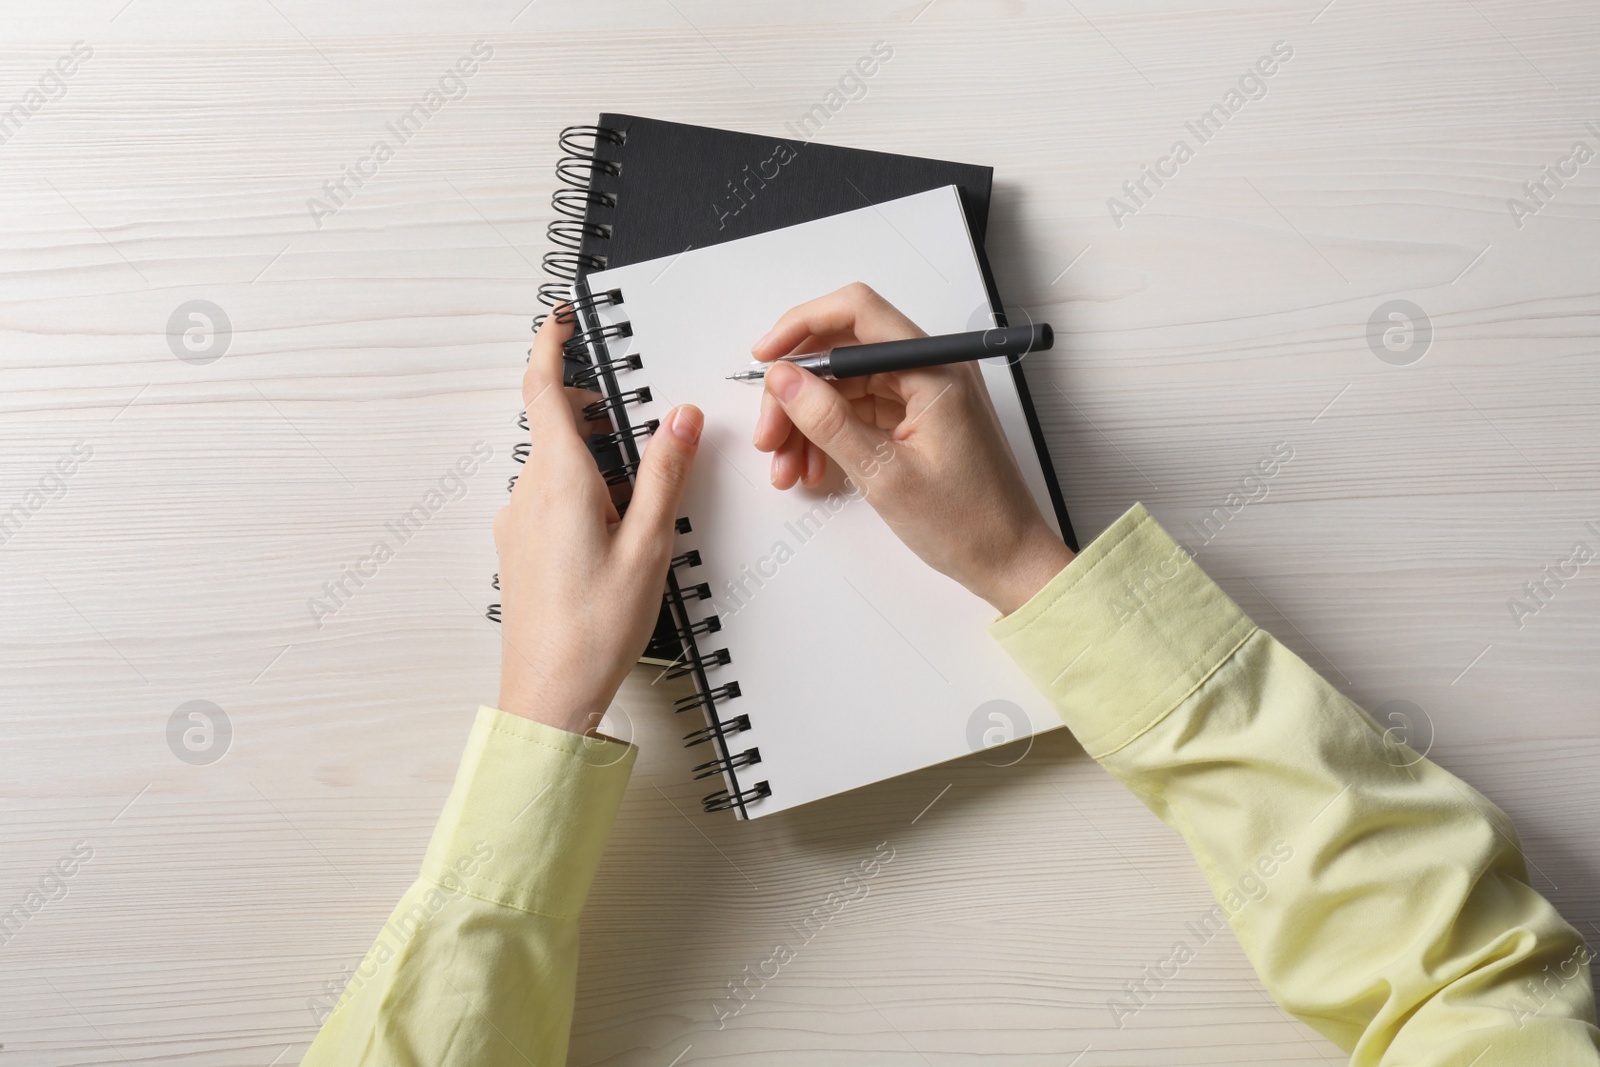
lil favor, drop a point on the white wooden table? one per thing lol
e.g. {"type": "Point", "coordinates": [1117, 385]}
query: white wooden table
{"type": "Point", "coordinates": [1226, 314]}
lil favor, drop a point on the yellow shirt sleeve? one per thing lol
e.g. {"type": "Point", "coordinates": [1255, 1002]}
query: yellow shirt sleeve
{"type": "Point", "coordinates": [1382, 900]}
{"type": "Point", "coordinates": [476, 965]}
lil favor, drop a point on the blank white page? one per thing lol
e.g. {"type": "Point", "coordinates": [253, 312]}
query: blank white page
{"type": "Point", "coordinates": [856, 661]}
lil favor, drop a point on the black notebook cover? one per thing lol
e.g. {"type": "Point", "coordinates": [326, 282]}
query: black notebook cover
{"type": "Point", "coordinates": [688, 186]}
{"type": "Point", "coordinates": [668, 187]}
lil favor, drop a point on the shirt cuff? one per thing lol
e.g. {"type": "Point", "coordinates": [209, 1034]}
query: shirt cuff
{"type": "Point", "coordinates": [1124, 633]}
{"type": "Point", "coordinates": [529, 815]}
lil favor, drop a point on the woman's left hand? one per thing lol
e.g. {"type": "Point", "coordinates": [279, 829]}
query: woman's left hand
{"type": "Point", "coordinates": [581, 590]}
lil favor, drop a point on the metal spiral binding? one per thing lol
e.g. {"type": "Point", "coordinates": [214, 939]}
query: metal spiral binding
{"type": "Point", "coordinates": [578, 345]}
{"type": "Point", "coordinates": [692, 664]}
{"type": "Point", "coordinates": [590, 374]}
{"type": "Point", "coordinates": [581, 223]}
{"type": "Point", "coordinates": [721, 766]}
{"type": "Point", "coordinates": [558, 297]}
{"type": "Point", "coordinates": [621, 474]}
{"type": "Point", "coordinates": [721, 692]}
{"type": "Point", "coordinates": [579, 171]}
{"type": "Point", "coordinates": [726, 800]}
{"type": "Point", "coordinates": [708, 625]}
{"type": "Point", "coordinates": [573, 137]}
{"type": "Point", "coordinates": [569, 233]}
{"type": "Point", "coordinates": [695, 592]}
{"type": "Point", "coordinates": [737, 724]}
{"type": "Point", "coordinates": [567, 266]}
{"type": "Point", "coordinates": [644, 429]}
{"type": "Point", "coordinates": [616, 402]}
{"type": "Point", "coordinates": [575, 203]}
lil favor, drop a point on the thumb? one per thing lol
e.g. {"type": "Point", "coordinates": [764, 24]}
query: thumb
{"type": "Point", "coordinates": [663, 472]}
{"type": "Point", "coordinates": [823, 415]}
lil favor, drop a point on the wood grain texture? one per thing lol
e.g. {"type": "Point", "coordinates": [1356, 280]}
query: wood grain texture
{"type": "Point", "coordinates": [1228, 314]}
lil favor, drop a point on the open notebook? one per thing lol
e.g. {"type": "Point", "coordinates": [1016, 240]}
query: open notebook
{"type": "Point", "coordinates": [825, 656]}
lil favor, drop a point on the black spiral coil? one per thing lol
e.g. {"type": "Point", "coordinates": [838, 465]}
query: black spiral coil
{"type": "Point", "coordinates": [708, 625]}
{"type": "Point", "coordinates": [576, 203]}
{"type": "Point", "coordinates": [566, 308]}
{"type": "Point", "coordinates": [577, 346]}
{"type": "Point", "coordinates": [580, 225]}
{"type": "Point", "coordinates": [722, 692]}
{"type": "Point", "coordinates": [723, 764]}
{"type": "Point", "coordinates": [725, 728]}
{"type": "Point", "coordinates": [644, 429]}
{"type": "Point", "coordinates": [616, 402]}
{"type": "Point", "coordinates": [694, 662]}
{"type": "Point", "coordinates": [591, 374]}
{"type": "Point", "coordinates": [620, 474]}
{"type": "Point", "coordinates": [730, 800]}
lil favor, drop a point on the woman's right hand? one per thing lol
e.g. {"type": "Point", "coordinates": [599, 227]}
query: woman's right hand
{"type": "Point", "coordinates": [925, 448]}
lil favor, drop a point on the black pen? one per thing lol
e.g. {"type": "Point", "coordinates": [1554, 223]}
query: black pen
{"type": "Point", "coordinates": [857, 361]}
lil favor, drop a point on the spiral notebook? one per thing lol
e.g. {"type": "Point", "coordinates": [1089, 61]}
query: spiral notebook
{"type": "Point", "coordinates": [823, 655]}
{"type": "Point", "coordinates": [635, 188]}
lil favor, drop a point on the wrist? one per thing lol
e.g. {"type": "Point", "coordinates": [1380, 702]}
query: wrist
{"type": "Point", "coordinates": [1019, 574]}
{"type": "Point", "coordinates": [564, 711]}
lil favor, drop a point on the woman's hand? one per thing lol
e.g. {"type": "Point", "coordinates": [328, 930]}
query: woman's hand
{"type": "Point", "coordinates": [924, 446]}
{"type": "Point", "coordinates": [581, 590]}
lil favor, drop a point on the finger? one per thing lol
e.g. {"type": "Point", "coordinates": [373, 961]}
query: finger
{"type": "Point", "coordinates": [577, 400]}
{"type": "Point", "coordinates": [816, 465]}
{"type": "Point", "coordinates": [543, 398]}
{"type": "Point", "coordinates": [854, 314]}
{"type": "Point", "coordinates": [818, 411]}
{"type": "Point", "coordinates": [663, 473]}
{"type": "Point", "coordinates": [773, 425]}
{"type": "Point", "coordinates": [788, 462]}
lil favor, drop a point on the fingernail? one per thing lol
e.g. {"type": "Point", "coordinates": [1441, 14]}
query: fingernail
{"type": "Point", "coordinates": [759, 345]}
{"type": "Point", "coordinates": [784, 381]}
{"type": "Point", "coordinates": [686, 425]}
